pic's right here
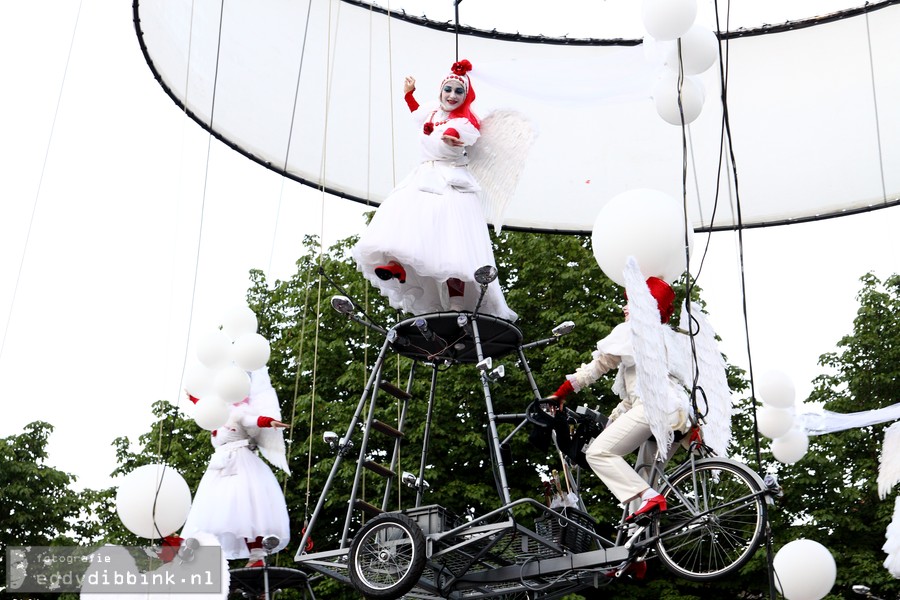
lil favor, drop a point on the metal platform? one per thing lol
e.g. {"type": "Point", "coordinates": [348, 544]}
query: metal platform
{"type": "Point", "coordinates": [450, 336]}
{"type": "Point", "coordinates": [262, 582]}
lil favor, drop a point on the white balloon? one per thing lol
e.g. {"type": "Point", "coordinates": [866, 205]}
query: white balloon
{"type": "Point", "coordinates": [790, 447]}
{"type": "Point", "coordinates": [239, 321]}
{"type": "Point", "coordinates": [804, 570]}
{"type": "Point", "coordinates": [668, 19]}
{"type": "Point", "coordinates": [198, 380]}
{"type": "Point", "coordinates": [214, 349]}
{"type": "Point", "coordinates": [774, 422]}
{"type": "Point", "coordinates": [665, 97]}
{"type": "Point", "coordinates": [251, 351]}
{"type": "Point", "coordinates": [153, 501]}
{"type": "Point", "coordinates": [231, 384]}
{"type": "Point", "coordinates": [210, 412]}
{"type": "Point", "coordinates": [776, 389]}
{"type": "Point", "coordinates": [646, 224]}
{"type": "Point", "coordinates": [699, 50]}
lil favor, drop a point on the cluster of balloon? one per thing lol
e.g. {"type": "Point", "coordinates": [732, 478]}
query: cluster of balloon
{"type": "Point", "coordinates": [804, 570]}
{"type": "Point", "coordinates": [776, 418]}
{"type": "Point", "coordinates": [685, 49]}
{"type": "Point", "coordinates": [227, 355]}
{"type": "Point", "coordinates": [648, 225]}
{"type": "Point", "coordinates": [153, 501]}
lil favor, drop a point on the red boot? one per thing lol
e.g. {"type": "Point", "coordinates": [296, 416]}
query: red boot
{"type": "Point", "coordinates": [392, 270]}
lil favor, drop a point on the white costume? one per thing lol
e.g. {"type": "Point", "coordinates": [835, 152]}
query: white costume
{"type": "Point", "coordinates": [629, 426]}
{"type": "Point", "coordinates": [433, 224]}
{"type": "Point", "coordinates": [238, 498]}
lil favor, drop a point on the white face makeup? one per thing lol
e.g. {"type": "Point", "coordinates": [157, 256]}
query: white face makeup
{"type": "Point", "coordinates": [452, 95]}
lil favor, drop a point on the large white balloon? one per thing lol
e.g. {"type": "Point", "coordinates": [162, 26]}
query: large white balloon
{"type": "Point", "coordinates": [699, 50]}
{"type": "Point", "coordinates": [153, 501]}
{"type": "Point", "coordinates": [211, 412]}
{"type": "Point", "coordinates": [775, 388]}
{"type": "Point", "coordinates": [804, 570]}
{"type": "Point", "coordinates": [774, 422]}
{"type": "Point", "coordinates": [646, 224]}
{"type": "Point", "coordinates": [198, 380]}
{"type": "Point", "coordinates": [214, 349]}
{"type": "Point", "coordinates": [790, 447]}
{"type": "Point", "coordinates": [251, 351]}
{"type": "Point", "coordinates": [239, 321]}
{"type": "Point", "coordinates": [231, 384]}
{"type": "Point", "coordinates": [665, 98]}
{"type": "Point", "coordinates": [668, 19]}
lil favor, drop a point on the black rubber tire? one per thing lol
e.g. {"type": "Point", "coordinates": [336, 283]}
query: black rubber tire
{"type": "Point", "coordinates": [387, 556]}
{"type": "Point", "coordinates": [715, 520]}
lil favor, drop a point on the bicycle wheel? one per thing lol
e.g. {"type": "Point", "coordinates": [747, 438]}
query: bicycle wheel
{"type": "Point", "coordinates": [387, 556]}
{"type": "Point", "coordinates": [714, 522]}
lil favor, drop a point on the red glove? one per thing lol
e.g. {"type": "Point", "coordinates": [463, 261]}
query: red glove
{"type": "Point", "coordinates": [451, 132]}
{"type": "Point", "coordinates": [564, 390]}
{"type": "Point", "coordinates": [264, 421]}
{"type": "Point", "coordinates": [411, 102]}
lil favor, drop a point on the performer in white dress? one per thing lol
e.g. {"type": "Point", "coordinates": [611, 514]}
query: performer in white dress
{"type": "Point", "coordinates": [239, 499]}
{"type": "Point", "coordinates": [430, 235]}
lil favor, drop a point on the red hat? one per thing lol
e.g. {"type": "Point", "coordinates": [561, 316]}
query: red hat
{"type": "Point", "coordinates": [460, 72]}
{"type": "Point", "coordinates": [664, 295]}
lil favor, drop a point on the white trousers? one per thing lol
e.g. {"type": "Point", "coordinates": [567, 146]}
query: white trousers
{"type": "Point", "coordinates": [605, 455]}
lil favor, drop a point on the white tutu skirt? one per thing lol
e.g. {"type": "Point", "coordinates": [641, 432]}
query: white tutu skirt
{"type": "Point", "coordinates": [236, 507]}
{"type": "Point", "coordinates": [435, 236]}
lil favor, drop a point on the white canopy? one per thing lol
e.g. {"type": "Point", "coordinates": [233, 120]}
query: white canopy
{"type": "Point", "coordinates": [313, 89]}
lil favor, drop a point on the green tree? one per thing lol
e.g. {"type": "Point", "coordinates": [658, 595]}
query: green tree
{"type": "Point", "coordinates": [321, 361]}
{"type": "Point", "coordinates": [832, 492]}
{"type": "Point", "coordinates": [38, 504]}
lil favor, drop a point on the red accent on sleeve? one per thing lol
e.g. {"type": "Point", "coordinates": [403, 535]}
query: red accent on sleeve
{"type": "Point", "coordinates": [451, 132]}
{"type": "Point", "coordinates": [564, 390]}
{"type": "Point", "coordinates": [193, 399]}
{"type": "Point", "coordinates": [411, 102]}
{"type": "Point", "coordinates": [264, 421]}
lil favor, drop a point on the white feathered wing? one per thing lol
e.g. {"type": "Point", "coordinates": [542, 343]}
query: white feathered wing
{"type": "Point", "coordinates": [498, 159]}
{"type": "Point", "coordinates": [264, 401]}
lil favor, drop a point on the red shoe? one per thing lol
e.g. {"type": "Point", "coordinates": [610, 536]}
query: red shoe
{"type": "Point", "coordinates": [392, 270]}
{"type": "Point", "coordinates": [253, 564]}
{"type": "Point", "coordinates": [650, 506]}
{"type": "Point", "coordinates": [637, 570]}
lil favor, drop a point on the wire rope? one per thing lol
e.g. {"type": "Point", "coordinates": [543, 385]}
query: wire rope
{"type": "Point", "coordinates": [37, 194]}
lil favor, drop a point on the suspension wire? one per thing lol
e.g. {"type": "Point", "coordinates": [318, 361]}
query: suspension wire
{"type": "Point", "coordinates": [723, 73]}
{"type": "Point", "coordinates": [164, 453]}
{"type": "Point", "coordinates": [456, 28]}
{"type": "Point", "coordinates": [875, 109]}
{"type": "Point", "coordinates": [37, 194]}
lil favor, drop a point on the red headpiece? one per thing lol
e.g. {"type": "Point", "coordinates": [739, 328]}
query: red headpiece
{"type": "Point", "coordinates": [664, 295]}
{"type": "Point", "coordinates": [460, 72]}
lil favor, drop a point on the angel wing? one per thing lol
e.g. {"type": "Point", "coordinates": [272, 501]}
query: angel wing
{"type": "Point", "coordinates": [649, 339]}
{"type": "Point", "coordinates": [892, 542]}
{"type": "Point", "coordinates": [889, 467]}
{"type": "Point", "coordinates": [264, 401]}
{"type": "Point", "coordinates": [712, 379]}
{"type": "Point", "coordinates": [498, 159]}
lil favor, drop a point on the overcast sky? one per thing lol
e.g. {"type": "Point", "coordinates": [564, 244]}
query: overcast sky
{"type": "Point", "coordinates": [102, 185]}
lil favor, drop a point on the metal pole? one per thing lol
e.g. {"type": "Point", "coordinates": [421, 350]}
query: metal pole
{"type": "Point", "coordinates": [492, 418]}
{"type": "Point", "coordinates": [425, 437]}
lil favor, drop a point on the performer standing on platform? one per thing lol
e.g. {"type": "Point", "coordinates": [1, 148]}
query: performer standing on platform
{"type": "Point", "coordinates": [430, 235]}
{"type": "Point", "coordinates": [238, 499]}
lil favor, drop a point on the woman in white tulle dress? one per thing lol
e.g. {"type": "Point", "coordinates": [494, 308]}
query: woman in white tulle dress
{"type": "Point", "coordinates": [239, 499]}
{"type": "Point", "coordinates": [429, 235]}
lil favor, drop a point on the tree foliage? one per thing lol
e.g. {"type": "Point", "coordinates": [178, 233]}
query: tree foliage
{"type": "Point", "coordinates": [833, 491]}
{"type": "Point", "coordinates": [321, 362]}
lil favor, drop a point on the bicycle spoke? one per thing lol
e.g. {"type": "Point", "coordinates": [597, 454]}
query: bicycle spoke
{"type": "Point", "coordinates": [714, 522]}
